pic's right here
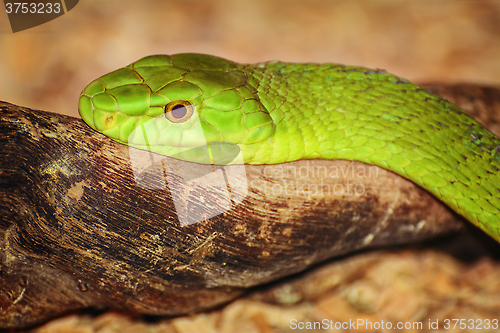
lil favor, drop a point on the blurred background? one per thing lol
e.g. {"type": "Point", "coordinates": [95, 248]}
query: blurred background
{"type": "Point", "coordinates": [46, 67]}
{"type": "Point", "coordinates": [451, 41]}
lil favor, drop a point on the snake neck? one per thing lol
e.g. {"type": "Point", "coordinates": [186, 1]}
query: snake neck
{"type": "Point", "coordinates": [331, 111]}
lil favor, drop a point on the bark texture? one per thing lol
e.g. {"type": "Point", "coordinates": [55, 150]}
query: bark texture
{"type": "Point", "coordinates": [81, 227]}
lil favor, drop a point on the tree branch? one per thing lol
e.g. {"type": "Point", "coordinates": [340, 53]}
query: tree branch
{"type": "Point", "coordinates": [79, 229]}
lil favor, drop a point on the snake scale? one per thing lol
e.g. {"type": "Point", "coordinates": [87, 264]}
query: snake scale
{"type": "Point", "coordinates": [276, 112]}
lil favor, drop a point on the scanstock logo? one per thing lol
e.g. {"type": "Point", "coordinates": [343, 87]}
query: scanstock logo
{"type": "Point", "coordinates": [199, 191]}
{"type": "Point", "coordinates": [28, 14]}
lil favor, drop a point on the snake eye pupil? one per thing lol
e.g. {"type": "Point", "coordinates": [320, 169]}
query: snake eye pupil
{"type": "Point", "coordinates": [179, 111]}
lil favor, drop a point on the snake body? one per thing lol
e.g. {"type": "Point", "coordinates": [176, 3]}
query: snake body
{"type": "Point", "coordinates": [279, 112]}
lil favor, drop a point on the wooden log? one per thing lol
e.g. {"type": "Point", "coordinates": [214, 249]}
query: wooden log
{"type": "Point", "coordinates": [85, 223]}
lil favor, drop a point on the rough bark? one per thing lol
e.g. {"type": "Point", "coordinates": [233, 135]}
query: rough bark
{"type": "Point", "coordinates": [77, 229]}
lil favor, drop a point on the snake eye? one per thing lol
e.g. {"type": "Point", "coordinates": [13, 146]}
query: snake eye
{"type": "Point", "coordinates": [179, 111]}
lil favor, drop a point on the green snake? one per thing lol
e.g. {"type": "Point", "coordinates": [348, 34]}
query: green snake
{"type": "Point", "coordinates": [277, 112]}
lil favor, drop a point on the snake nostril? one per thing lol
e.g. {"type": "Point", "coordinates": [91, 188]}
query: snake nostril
{"type": "Point", "coordinates": [109, 121]}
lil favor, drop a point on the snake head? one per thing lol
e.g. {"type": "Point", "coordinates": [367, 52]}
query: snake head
{"type": "Point", "coordinates": [171, 104]}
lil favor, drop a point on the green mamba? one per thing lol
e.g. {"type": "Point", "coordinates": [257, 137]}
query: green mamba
{"type": "Point", "coordinates": [279, 112]}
